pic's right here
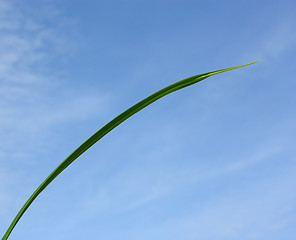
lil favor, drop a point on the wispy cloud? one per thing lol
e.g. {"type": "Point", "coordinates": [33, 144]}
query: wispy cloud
{"type": "Point", "coordinates": [276, 41]}
{"type": "Point", "coordinates": [33, 97]}
{"type": "Point", "coordinates": [136, 187]}
{"type": "Point", "coordinates": [262, 210]}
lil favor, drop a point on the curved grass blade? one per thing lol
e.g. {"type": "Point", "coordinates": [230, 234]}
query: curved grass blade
{"type": "Point", "coordinates": [107, 128]}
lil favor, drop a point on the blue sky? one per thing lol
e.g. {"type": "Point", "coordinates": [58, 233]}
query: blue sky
{"type": "Point", "coordinates": [213, 161]}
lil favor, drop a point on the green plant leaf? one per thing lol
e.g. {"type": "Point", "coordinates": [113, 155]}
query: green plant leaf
{"type": "Point", "coordinates": [109, 127]}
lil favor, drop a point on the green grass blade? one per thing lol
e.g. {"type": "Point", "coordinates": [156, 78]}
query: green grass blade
{"type": "Point", "coordinates": [107, 128]}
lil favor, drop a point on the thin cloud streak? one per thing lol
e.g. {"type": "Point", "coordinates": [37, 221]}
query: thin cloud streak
{"type": "Point", "coordinates": [31, 103]}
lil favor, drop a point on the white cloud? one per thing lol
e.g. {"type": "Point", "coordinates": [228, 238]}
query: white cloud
{"type": "Point", "coordinates": [275, 42]}
{"type": "Point", "coordinates": [260, 211]}
{"type": "Point", "coordinates": [281, 39]}
{"type": "Point", "coordinates": [33, 98]}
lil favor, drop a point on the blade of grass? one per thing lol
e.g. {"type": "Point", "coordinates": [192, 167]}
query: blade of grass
{"type": "Point", "coordinates": [107, 128]}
